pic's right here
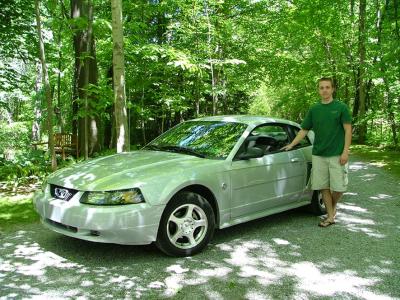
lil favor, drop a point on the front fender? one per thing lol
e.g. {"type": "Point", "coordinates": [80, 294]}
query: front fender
{"type": "Point", "coordinates": [160, 190]}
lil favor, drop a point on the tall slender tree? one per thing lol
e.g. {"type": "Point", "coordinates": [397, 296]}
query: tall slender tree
{"type": "Point", "coordinates": [87, 73]}
{"type": "Point", "coordinates": [121, 120]}
{"type": "Point", "coordinates": [362, 131]}
{"type": "Point", "coordinates": [47, 88]}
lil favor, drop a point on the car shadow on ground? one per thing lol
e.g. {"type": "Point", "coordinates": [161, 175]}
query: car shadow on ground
{"type": "Point", "coordinates": [282, 256]}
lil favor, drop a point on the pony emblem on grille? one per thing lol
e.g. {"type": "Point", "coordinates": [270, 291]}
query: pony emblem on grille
{"type": "Point", "coordinates": [63, 194]}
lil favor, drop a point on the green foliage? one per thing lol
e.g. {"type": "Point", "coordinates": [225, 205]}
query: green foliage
{"type": "Point", "coordinates": [14, 136]}
{"type": "Point", "coordinates": [25, 167]}
{"type": "Point", "coordinates": [104, 95]}
{"type": "Point", "coordinates": [16, 36]}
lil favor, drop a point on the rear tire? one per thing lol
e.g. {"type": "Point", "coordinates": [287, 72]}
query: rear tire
{"type": "Point", "coordinates": [187, 225]}
{"type": "Point", "coordinates": [317, 205]}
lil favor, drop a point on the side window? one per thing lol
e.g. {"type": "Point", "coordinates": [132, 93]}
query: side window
{"type": "Point", "coordinates": [304, 142]}
{"type": "Point", "coordinates": [270, 137]}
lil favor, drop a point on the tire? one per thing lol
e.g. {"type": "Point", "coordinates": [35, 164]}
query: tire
{"type": "Point", "coordinates": [317, 206]}
{"type": "Point", "coordinates": [182, 233]}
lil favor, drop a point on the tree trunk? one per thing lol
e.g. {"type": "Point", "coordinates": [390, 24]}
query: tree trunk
{"type": "Point", "coordinates": [383, 68]}
{"type": "Point", "coordinates": [46, 82]}
{"type": "Point", "coordinates": [58, 109]}
{"type": "Point", "coordinates": [119, 77]}
{"type": "Point", "coordinates": [354, 76]}
{"type": "Point", "coordinates": [143, 123]}
{"type": "Point", "coordinates": [95, 133]}
{"type": "Point", "coordinates": [396, 13]}
{"type": "Point", "coordinates": [86, 78]}
{"type": "Point", "coordinates": [361, 51]}
{"type": "Point", "coordinates": [108, 124]}
{"type": "Point", "coordinates": [36, 130]}
{"type": "Point", "coordinates": [210, 57]}
{"type": "Point", "coordinates": [87, 130]}
{"type": "Point", "coordinates": [390, 112]}
{"type": "Point", "coordinates": [346, 91]}
{"type": "Point", "coordinates": [76, 13]}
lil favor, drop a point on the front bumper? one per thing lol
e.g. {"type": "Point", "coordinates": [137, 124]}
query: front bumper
{"type": "Point", "coordinates": [134, 224]}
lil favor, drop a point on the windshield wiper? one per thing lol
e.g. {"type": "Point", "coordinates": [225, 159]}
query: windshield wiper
{"type": "Point", "coordinates": [152, 147]}
{"type": "Point", "coordinates": [172, 148]}
{"type": "Point", "coordinates": [180, 149]}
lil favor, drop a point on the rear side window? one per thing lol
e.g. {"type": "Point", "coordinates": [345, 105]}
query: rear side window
{"type": "Point", "coordinates": [275, 131]}
{"type": "Point", "coordinates": [269, 137]}
{"type": "Point", "coordinates": [304, 142]}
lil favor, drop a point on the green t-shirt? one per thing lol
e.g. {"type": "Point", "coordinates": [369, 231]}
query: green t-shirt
{"type": "Point", "coordinates": [326, 120]}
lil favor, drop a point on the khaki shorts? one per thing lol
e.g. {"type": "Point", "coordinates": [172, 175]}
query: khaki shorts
{"type": "Point", "coordinates": [328, 173]}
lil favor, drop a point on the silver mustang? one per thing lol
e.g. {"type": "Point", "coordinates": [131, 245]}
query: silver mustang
{"type": "Point", "coordinates": [203, 174]}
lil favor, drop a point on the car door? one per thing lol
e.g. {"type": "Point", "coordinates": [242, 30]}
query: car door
{"type": "Point", "coordinates": [305, 146]}
{"type": "Point", "coordinates": [263, 183]}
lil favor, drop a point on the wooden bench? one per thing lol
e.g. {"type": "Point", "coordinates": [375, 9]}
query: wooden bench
{"type": "Point", "coordinates": [66, 142]}
{"type": "Point", "coordinates": [63, 143]}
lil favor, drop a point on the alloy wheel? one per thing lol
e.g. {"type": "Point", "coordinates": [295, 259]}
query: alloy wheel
{"type": "Point", "coordinates": [187, 226]}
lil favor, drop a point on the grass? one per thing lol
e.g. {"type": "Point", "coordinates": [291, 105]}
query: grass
{"type": "Point", "coordinates": [16, 210]}
{"type": "Point", "coordinates": [387, 159]}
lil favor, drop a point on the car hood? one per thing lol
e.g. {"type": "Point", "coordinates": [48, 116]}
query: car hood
{"type": "Point", "coordinates": [124, 170]}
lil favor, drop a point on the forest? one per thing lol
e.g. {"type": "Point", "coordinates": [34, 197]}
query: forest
{"type": "Point", "coordinates": [115, 74]}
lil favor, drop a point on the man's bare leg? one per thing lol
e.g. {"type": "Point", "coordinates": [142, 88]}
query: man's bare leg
{"type": "Point", "coordinates": [335, 199]}
{"type": "Point", "coordinates": [328, 200]}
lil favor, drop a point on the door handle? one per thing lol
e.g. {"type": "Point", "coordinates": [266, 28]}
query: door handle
{"type": "Point", "coordinates": [293, 160]}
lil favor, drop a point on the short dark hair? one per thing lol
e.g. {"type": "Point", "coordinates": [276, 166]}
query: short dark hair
{"type": "Point", "coordinates": [330, 79]}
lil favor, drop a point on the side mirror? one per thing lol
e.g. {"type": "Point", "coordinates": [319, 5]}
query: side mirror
{"type": "Point", "coordinates": [252, 152]}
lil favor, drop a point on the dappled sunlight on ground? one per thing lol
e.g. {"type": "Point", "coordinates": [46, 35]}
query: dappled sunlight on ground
{"type": "Point", "coordinates": [33, 265]}
{"type": "Point", "coordinates": [370, 187]}
{"type": "Point", "coordinates": [357, 166]}
{"type": "Point", "coordinates": [286, 256]}
{"type": "Point", "coordinates": [352, 207]}
{"type": "Point", "coordinates": [378, 164]}
{"type": "Point", "coordinates": [381, 197]}
{"type": "Point", "coordinates": [368, 177]}
{"type": "Point", "coordinates": [17, 190]}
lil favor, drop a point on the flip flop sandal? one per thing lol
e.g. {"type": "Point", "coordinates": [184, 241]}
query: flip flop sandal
{"type": "Point", "coordinates": [326, 223]}
{"type": "Point", "coordinates": [325, 218]}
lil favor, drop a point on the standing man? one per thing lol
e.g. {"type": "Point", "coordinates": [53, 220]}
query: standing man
{"type": "Point", "coordinates": [331, 122]}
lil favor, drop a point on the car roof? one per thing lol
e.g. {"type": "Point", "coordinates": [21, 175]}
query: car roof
{"type": "Point", "coordinates": [246, 119]}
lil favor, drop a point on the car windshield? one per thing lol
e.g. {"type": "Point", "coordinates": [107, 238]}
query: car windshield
{"type": "Point", "coordinates": [210, 139]}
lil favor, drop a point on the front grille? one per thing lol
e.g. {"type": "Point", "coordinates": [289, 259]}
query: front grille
{"type": "Point", "coordinates": [61, 193]}
{"type": "Point", "coordinates": [62, 226]}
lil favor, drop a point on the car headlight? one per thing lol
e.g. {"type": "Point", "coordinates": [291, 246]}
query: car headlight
{"type": "Point", "coordinates": [132, 196]}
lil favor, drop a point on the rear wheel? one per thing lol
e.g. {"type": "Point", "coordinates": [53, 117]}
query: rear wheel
{"type": "Point", "coordinates": [187, 225]}
{"type": "Point", "coordinates": [317, 204]}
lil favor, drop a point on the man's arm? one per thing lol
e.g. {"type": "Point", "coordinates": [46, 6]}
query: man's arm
{"type": "Point", "coordinates": [344, 158]}
{"type": "Point", "coordinates": [300, 135]}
